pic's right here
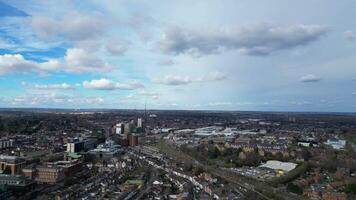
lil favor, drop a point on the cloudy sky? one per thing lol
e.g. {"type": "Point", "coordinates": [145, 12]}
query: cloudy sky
{"type": "Point", "coordinates": [272, 55]}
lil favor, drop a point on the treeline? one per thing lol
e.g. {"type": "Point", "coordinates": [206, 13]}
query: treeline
{"type": "Point", "coordinates": [32, 123]}
{"type": "Point", "coordinates": [290, 176]}
{"type": "Point", "coordinates": [231, 157]}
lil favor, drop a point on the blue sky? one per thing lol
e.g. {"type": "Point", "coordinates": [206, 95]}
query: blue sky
{"type": "Point", "coordinates": [204, 54]}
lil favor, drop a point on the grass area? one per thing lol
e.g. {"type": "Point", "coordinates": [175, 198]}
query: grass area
{"type": "Point", "coordinates": [351, 138]}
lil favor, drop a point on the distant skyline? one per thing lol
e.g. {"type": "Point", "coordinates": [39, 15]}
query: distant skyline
{"type": "Point", "coordinates": [187, 55]}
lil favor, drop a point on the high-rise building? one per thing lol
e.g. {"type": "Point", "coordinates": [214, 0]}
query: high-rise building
{"type": "Point", "coordinates": [120, 128]}
{"type": "Point", "coordinates": [74, 147]}
{"type": "Point", "coordinates": [139, 123]}
{"type": "Point", "coordinates": [133, 140]}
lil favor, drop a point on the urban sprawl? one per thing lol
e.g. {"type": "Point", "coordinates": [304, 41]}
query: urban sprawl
{"type": "Point", "coordinates": [159, 155]}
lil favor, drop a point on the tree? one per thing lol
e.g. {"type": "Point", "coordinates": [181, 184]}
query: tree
{"type": "Point", "coordinates": [291, 187]}
{"type": "Point", "coordinates": [252, 159]}
{"type": "Point", "coordinates": [213, 152]}
{"type": "Point", "coordinates": [197, 170]}
{"type": "Point", "coordinates": [226, 152]}
{"type": "Point", "coordinates": [351, 189]}
{"type": "Point", "coordinates": [188, 167]}
{"type": "Point", "coordinates": [306, 154]}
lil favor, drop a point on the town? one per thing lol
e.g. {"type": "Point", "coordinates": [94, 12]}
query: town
{"type": "Point", "coordinates": [140, 154]}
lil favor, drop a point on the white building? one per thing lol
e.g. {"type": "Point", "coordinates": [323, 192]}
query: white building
{"type": "Point", "coordinates": [278, 165]}
{"type": "Point", "coordinates": [120, 128]}
{"type": "Point", "coordinates": [336, 144]}
{"type": "Point", "coordinates": [6, 143]}
{"type": "Point", "coordinates": [139, 123]}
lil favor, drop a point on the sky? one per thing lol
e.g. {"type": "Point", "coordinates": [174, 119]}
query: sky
{"type": "Point", "coordinates": [253, 55]}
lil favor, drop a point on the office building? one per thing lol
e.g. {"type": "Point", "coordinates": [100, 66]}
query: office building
{"type": "Point", "coordinates": [139, 123]}
{"type": "Point", "coordinates": [76, 146]}
{"type": "Point", "coordinates": [119, 128]}
{"type": "Point", "coordinates": [6, 143]}
{"type": "Point", "coordinates": [133, 140]}
{"type": "Point", "coordinates": [49, 174]}
{"type": "Point", "coordinates": [16, 183]}
{"type": "Point", "coordinates": [106, 151]}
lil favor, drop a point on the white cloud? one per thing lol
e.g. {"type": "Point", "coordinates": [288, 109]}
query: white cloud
{"type": "Point", "coordinates": [76, 61]}
{"type": "Point", "coordinates": [166, 63]}
{"type": "Point", "coordinates": [143, 25]}
{"type": "Point", "coordinates": [350, 35]}
{"type": "Point", "coordinates": [96, 100]}
{"type": "Point", "coordinates": [105, 84]}
{"type": "Point", "coordinates": [310, 78]}
{"type": "Point", "coordinates": [62, 86]}
{"type": "Point", "coordinates": [117, 47]}
{"type": "Point", "coordinates": [301, 103]}
{"type": "Point", "coordinates": [154, 95]}
{"type": "Point", "coordinates": [354, 93]}
{"type": "Point", "coordinates": [174, 80]}
{"type": "Point", "coordinates": [215, 76]}
{"type": "Point", "coordinates": [79, 60]}
{"type": "Point", "coordinates": [74, 26]}
{"type": "Point", "coordinates": [54, 99]}
{"type": "Point", "coordinates": [184, 80]}
{"type": "Point", "coordinates": [12, 63]}
{"type": "Point", "coordinates": [219, 104]}
{"type": "Point", "coordinates": [40, 98]}
{"type": "Point", "coordinates": [261, 39]}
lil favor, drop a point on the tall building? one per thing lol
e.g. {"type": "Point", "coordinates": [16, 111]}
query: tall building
{"type": "Point", "coordinates": [133, 140]}
{"type": "Point", "coordinates": [74, 147]}
{"type": "Point", "coordinates": [139, 123]}
{"type": "Point", "coordinates": [120, 128]}
{"type": "Point", "coordinates": [129, 127]}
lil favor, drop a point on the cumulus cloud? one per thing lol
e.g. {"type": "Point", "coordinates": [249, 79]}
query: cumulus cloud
{"type": "Point", "coordinates": [214, 76]}
{"type": "Point", "coordinates": [62, 86]}
{"type": "Point", "coordinates": [105, 84]}
{"type": "Point", "coordinates": [53, 99]}
{"type": "Point", "coordinates": [74, 26]}
{"type": "Point", "coordinates": [166, 62]}
{"type": "Point", "coordinates": [80, 60]}
{"type": "Point", "coordinates": [10, 63]}
{"type": "Point", "coordinates": [310, 78]}
{"type": "Point", "coordinates": [143, 25]}
{"type": "Point", "coordinates": [40, 98]}
{"type": "Point", "coordinates": [76, 60]}
{"type": "Point", "coordinates": [261, 39]}
{"type": "Point", "coordinates": [153, 95]}
{"type": "Point", "coordinates": [174, 80]}
{"type": "Point", "coordinates": [184, 80]}
{"type": "Point", "coordinates": [117, 47]}
{"type": "Point", "coordinates": [350, 35]}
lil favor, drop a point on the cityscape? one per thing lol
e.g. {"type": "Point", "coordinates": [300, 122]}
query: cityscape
{"type": "Point", "coordinates": [177, 100]}
{"type": "Point", "coordinates": [152, 154]}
